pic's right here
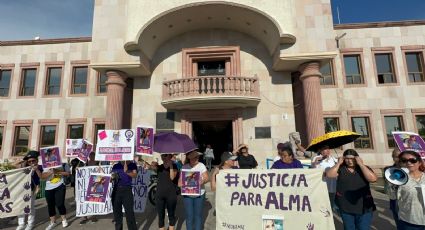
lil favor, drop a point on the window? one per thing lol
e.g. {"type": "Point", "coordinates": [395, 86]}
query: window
{"type": "Point", "coordinates": [21, 142]}
{"type": "Point", "coordinates": [331, 124]}
{"type": "Point", "coordinates": [353, 69]}
{"type": "Point", "coordinates": [101, 83]}
{"type": "Point", "coordinates": [28, 82]}
{"type": "Point", "coordinates": [5, 82]}
{"type": "Point", "coordinates": [385, 68]}
{"type": "Point", "coordinates": [75, 131]}
{"type": "Point", "coordinates": [415, 67]}
{"type": "Point", "coordinates": [262, 132]}
{"type": "Point", "coordinates": [79, 80]}
{"type": "Point", "coordinates": [211, 68]}
{"type": "Point", "coordinates": [97, 127]}
{"type": "Point", "coordinates": [1, 137]}
{"type": "Point", "coordinates": [47, 136]}
{"type": "Point", "coordinates": [392, 124]}
{"type": "Point", "coordinates": [361, 125]}
{"type": "Point", "coordinates": [420, 125]}
{"type": "Point", "coordinates": [53, 81]}
{"type": "Point", "coordinates": [327, 74]}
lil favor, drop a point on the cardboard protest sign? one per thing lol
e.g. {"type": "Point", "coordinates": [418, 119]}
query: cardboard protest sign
{"type": "Point", "coordinates": [191, 182]}
{"type": "Point", "coordinates": [144, 140]}
{"type": "Point", "coordinates": [140, 189]}
{"type": "Point", "coordinates": [97, 188]}
{"type": "Point", "coordinates": [15, 192]}
{"type": "Point", "coordinates": [82, 181]}
{"type": "Point", "coordinates": [78, 148]}
{"type": "Point", "coordinates": [410, 141]}
{"type": "Point", "coordinates": [115, 145]}
{"type": "Point", "coordinates": [290, 199]}
{"type": "Point", "coordinates": [50, 157]}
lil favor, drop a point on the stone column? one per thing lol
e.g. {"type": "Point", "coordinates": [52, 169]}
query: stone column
{"type": "Point", "coordinates": [115, 99]}
{"type": "Point", "coordinates": [310, 77]}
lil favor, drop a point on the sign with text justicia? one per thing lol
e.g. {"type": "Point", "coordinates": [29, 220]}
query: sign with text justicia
{"type": "Point", "coordinates": [273, 199]}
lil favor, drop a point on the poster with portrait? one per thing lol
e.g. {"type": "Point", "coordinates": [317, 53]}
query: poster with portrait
{"type": "Point", "coordinates": [97, 188]}
{"type": "Point", "coordinates": [144, 140]}
{"type": "Point", "coordinates": [78, 148]}
{"type": "Point", "coordinates": [410, 141]}
{"type": "Point", "coordinates": [191, 182]}
{"type": "Point", "coordinates": [50, 157]}
{"type": "Point", "coordinates": [115, 145]}
{"type": "Point", "coordinates": [272, 222]}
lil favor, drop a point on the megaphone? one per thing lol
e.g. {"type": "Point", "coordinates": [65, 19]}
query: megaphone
{"type": "Point", "coordinates": [396, 176]}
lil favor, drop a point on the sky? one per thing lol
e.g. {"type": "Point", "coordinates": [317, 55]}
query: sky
{"type": "Point", "coordinates": [26, 19]}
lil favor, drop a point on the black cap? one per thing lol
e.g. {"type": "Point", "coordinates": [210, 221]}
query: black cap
{"type": "Point", "coordinates": [31, 154]}
{"type": "Point", "coordinates": [227, 156]}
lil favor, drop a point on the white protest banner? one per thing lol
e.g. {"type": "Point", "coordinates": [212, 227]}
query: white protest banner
{"type": "Point", "coordinates": [15, 192]}
{"type": "Point", "coordinates": [81, 183]}
{"type": "Point", "coordinates": [115, 145]}
{"type": "Point", "coordinates": [140, 189]}
{"type": "Point", "coordinates": [144, 140]}
{"type": "Point", "coordinates": [291, 198]}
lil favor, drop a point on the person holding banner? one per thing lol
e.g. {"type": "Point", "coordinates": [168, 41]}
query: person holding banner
{"type": "Point", "coordinates": [227, 162]}
{"type": "Point", "coordinates": [287, 160]}
{"type": "Point", "coordinates": [194, 204]}
{"type": "Point", "coordinates": [31, 160]}
{"type": "Point", "coordinates": [410, 197]}
{"type": "Point", "coordinates": [55, 193]}
{"type": "Point", "coordinates": [353, 196]}
{"type": "Point", "coordinates": [122, 194]}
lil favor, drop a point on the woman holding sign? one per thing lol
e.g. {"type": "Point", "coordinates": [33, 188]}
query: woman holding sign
{"type": "Point", "coordinates": [410, 197]}
{"type": "Point", "coordinates": [193, 204]}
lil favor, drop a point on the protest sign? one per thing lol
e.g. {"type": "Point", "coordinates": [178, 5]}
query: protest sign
{"type": "Point", "coordinates": [15, 192]}
{"type": "Point", "coordinates": [82, 178]}
{"type": "Point", "coordinates": [115, 145]}
{"type": "Point", "coordinates": [140, 189]}
{"type": "Point", "coordinates": [410, 141]}
{"type": "Point", "coordinates": [97, 188]}
{"type": "Point", "coordinates": [78, 148]}
{"type": "Point", "coordinates": [50, 157]}
{"type": "Point", "coordinates": [191, 182]}
{"type": "Point", "coordinates": [293, 199]}
{"type": "Point", "coordinates": [144, 140]}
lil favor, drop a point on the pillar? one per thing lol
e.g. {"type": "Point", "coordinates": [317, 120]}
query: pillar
{"type": "Point", "coordinates": [115, 99]}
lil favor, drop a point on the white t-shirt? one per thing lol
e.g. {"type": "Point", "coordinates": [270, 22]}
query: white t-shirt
{"type": "Point", "coordinates": [326, 164]}
{"type": "Point", "coordinates": [53, 181]}
{"type": "Point", "coordinates": [198, 168]}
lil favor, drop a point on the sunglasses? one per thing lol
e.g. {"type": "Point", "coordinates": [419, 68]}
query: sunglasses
{"type": "Point", "coordinates": [411, 160]}
{"type": "Point", "coordinates": [32, 161]}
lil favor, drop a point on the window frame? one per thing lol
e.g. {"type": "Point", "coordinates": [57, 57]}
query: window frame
{"type": "Point", "coordinates": [20, 123]}
{"type": "Point", "coordinates": [413, 49]}
{"type": "Point", "coordinates": [367, 114]}
{"type": "Point", "coordinates": [3, 124]}
{"type": "Point", "coordinates": [354, 52]}
{"type": "Point", "coordinates": [23, 67]}
{"type": "Point", "coordinates": [79, 64]}
{"type": "Point", "coordinates": [98, 76]}
{"type": "Point", "coordinates": [391, 113]}
{"type": "Point", "coordinates": [48, 66]}
{"type": "Point", "coordinates": [334, 117]}
{"type": "Point", "coordinates": [11, 68]}
{"type": "Point", "coordinates": [333, 74]}
{"type": "Point", "coordinates": [417, 112]}
{"type": "Point", "coordinates": [75, 121]}
{"type": "Point", "coordinates": [385, 50]}
{"type": "Point", "coordinates": [96, 121]}
{"type": "Point", "coordinates": [47, 122]}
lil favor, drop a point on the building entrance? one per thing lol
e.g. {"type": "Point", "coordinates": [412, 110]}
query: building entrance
{"type": "Point", "coordinates": [216, 133]}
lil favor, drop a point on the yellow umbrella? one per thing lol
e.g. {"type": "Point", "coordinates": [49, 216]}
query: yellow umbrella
{"type": "Point", "coordinates": [333, 140]}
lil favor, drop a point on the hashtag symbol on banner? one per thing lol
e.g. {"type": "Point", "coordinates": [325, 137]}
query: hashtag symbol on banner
{"type": "Point", "coordinates": [232, 179]}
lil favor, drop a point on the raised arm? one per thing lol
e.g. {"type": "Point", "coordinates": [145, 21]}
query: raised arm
{"type": "Point", "coordinates": [333, 172]}
{"type": "Point", "coordinates": [367, 172]}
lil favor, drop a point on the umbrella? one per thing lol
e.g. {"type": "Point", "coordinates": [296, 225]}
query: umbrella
{"type": "Point", "coordinates": [333, 140]}
{"type": "Point", "coordinates": [172, 142]}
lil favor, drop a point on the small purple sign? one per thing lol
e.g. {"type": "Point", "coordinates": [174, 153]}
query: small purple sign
{"type": "Point", "coordinates": [50, 157]}
{"type": "Point", "coordinates": [144, 140]}
{"type": "Point", "coordinates": [410, 141]}
{"type": "Point", "coordinates": [191, 182]}
{"type": "Point", "coordinates": [97, 188]}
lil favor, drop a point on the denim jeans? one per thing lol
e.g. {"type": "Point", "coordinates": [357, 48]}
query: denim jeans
{"type": "Point", "coordinates": [403, 225]}
{"type": "Point", "coordinates": [194, 210]}
{"type": "Point", "coordinates": [356, 221]}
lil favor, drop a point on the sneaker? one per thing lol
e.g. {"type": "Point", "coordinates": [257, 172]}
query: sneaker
{"type": "Point", "coordinates": [20, 227]}
{"type": "Point", "coordinates": [50, 226]}
{"type": "Point", "coordinates": [64, 223]}
{"type": "Point", "coordinates": [84, 221]}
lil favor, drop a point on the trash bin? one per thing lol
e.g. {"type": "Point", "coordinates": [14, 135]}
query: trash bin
{"type": "Point", "coordinates": [42, 192]}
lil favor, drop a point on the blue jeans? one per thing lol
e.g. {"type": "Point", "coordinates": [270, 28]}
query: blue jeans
{"type": "Point", "coordinates": [393, 208]}
{"type": "Point", "coordinates": [194, 207]}
{"type": "Point", "coordinates": [403, 225]}
{"type": "Point", "coordinates": [356, 221]}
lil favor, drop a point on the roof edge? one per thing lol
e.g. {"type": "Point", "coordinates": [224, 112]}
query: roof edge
{"type": "Point", "coordinates": [379, 24]}
{"type": "Point", "coordinates": [46, 41]}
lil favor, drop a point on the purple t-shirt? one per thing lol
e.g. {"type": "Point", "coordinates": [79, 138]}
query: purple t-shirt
{"type": "Point", "coordinates": [282, 165]}
{"type": "Point", "coordinates": [125, 180]}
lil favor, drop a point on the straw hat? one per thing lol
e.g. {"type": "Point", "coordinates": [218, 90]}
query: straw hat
{"type": "Point", "coordinates": [241, 146]}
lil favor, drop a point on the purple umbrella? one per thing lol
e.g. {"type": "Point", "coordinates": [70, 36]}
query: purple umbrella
{"type": "Point", "coordinates": [173, 142]}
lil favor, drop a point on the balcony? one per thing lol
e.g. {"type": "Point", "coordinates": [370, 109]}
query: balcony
{"type": "Point", "coordinates": [211, 92]}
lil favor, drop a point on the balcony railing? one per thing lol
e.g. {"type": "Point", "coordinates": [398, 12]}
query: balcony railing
{"type": "Point", "coordinates": [207, 86]}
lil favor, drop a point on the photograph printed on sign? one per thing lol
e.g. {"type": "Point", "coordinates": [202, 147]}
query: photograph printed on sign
{"type": "Point", "coordinates": [78, 148]}
{"type": "Point", "coordinates": [50, 157]}
{"type": "Point", "coordinates": [144, 140]}
{"type": "Point", "coordinates": [410, 141]}
{"type": "Point", "coordinates": [191, 182]}
{"type": "Point", "coordinates": [97, 188]}
{"type": "Point", "coordinates": [115, 145]}
{"type": "Point", "coordinates": [272, 222]}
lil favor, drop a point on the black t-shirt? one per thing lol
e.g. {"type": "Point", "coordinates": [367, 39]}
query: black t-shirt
{"type": "Point", "coordinates": [165, 184]}
{"type": "Point", "coordinates": [353, 192]}
{"type": "Point", "coordinates": [247, 162]}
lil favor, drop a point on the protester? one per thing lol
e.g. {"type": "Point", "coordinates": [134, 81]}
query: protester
{"type": "Point", "coordinates": [31, 160]}
{"type": "Point", "coordinates": [227, 162]}
{"type": "Point", "coordinates": [194, 205]}
{"type": "Point", "coordinates": [166, 192]}
{"type": "Point", "coordinates": [209, 156]}
{"type": "Point", "coordinates": [353, 196]}
{"type": "Point", "coordinates": [279, 148]}
{"type": "Point", "coordinates": [122, 194]}
{"type": "Point", "coordinates": [326, 161]}
{"type": "Point", "coordinates": [55, 193]}
{"type": "Point", "coordinates": [90, 162]}
{"type": "Point", "coordinates": [391, 190]}
{"type": "Point", "coordinates": [287, 160]}
{"type": "Point", "coordinates": [410, 202]}
{"type": "Point", "coordinates": [245, 160]}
